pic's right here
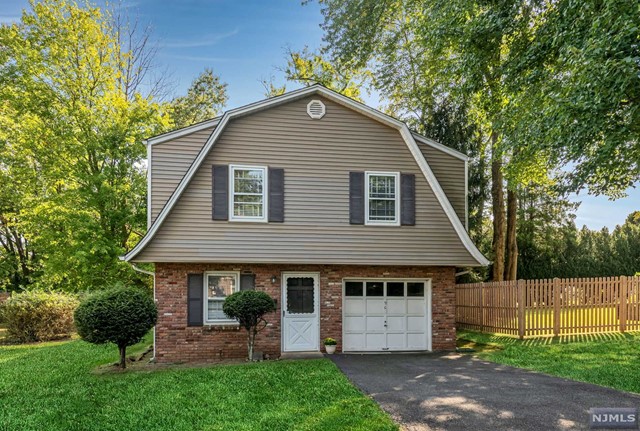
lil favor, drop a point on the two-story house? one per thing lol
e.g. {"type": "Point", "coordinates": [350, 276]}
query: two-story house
{"type": "Point", "coordinates": [353, 223]}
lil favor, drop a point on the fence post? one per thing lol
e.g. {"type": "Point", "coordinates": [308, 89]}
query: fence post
{"type": "Point", "coordinates": [521, 306]}
{"type": "Point", "coordinates": [556, 307]}
{"type": "Point", "coordinates": [481, 307]}
{"type": "Point", "coordinates": [622, 314]}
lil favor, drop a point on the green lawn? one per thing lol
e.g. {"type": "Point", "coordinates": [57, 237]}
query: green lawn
{"type": "Point", "coordinates": [54, 386]}
{"type": "Point", "coordinates": [605, 359]}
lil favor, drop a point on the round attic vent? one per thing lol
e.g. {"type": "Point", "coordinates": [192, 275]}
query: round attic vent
{"type": "Point", "coordinates": [316, 109]}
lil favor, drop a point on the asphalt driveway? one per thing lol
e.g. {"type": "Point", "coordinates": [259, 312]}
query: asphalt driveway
{"type": "Point", "coordinates": [460, 392]}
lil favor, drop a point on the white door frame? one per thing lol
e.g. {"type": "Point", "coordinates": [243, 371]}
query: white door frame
{"type": "Point", "coordinates": [427, 297]}
{"type": "Point", "coordinates": [316, 306]}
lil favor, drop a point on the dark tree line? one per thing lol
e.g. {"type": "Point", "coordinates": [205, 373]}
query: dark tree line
{"type": "Point", "coordinates": [558, 248]}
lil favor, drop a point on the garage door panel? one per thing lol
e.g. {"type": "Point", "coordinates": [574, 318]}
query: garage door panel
{"type": "Point", "coordinates": [416, 341]}
{"type": "Point", "coordinates": [375, 306]}
{"type": "Point", "coordinates": [416, 306]}
{"type": "Point", "coordinates": [375, 341]}
{"type": "Point", "coordinates": [416, 324]}
{"type": "Point", "coordinates": [355, 323]}
{"type": "Point", "coordinates": [375, 323]}
{"type": "Point", "coordinates": [354, 342]}
{"type": "Point", "coordinates": [396, 306]}
{"type": "Point", "coordinates": [354, 306]}
{"type": "Point", "coordinates": [396, 341]}
{"type": "Point", "coordinates": [396, 323]}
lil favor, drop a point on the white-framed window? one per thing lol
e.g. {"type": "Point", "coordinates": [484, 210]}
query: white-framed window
{"type": "Point", "coordinates": [382, 198]}
{"type": "Point", "coordinates": [248, 193]}
{"type": "Point", "coordinates": [217, 286]}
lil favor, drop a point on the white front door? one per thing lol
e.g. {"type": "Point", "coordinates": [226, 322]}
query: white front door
{"type": "Point", "coordinates": [300, 312]}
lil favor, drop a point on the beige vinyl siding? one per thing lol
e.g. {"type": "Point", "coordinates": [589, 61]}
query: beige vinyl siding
{"type": "Point", "coordinates": [317, 156]}
{"type": "Point", "coordinates": [169, 162]}
{"type": "Point", "coordinates": [449, 171]}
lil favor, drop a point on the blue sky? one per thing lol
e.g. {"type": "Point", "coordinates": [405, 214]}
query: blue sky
{"type": "Point", "coordinates": [244, 41]}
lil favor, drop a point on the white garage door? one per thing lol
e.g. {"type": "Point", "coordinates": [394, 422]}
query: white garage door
{"type": "Point", "coordinates": [386, 315]}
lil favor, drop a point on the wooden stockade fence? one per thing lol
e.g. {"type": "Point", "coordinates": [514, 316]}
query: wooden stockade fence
{"type": "Point", "coordinates": [533, 308]}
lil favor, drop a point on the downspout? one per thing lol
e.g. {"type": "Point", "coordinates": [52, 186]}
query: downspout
{"type": "Point", "coordinates": [151, 274]}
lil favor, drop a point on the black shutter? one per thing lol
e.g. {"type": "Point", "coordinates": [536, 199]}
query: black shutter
{"type": "Point", "coordinates": [247, 282]}
{"type": "Point", "coordinates": [195, 296]}
{"type": "Point", "coordinates": [276, 195]}
{"type": "Point", "coordinates": [356, 197]}
{"type": "Point", "coordinates": [220, 197]}
{"type": "Point", "coordinates": [407, 199]}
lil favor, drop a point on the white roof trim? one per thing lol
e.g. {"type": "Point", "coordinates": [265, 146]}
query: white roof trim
{"type": "Point", "coordinates": [183, 132]}
{"type": "Point", "coordinates": [149, 156]}
{"type": "Point", "coordinates": [439, 146]}
{"type": "Point", "coordinates": [342, 100]}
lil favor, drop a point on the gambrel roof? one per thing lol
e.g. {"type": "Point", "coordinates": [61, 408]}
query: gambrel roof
{"type": "Point", "coordinates": [220, 123]}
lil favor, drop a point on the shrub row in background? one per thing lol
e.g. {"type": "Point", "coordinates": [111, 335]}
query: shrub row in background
{"type": "Point", "coordinates": [38, 316]}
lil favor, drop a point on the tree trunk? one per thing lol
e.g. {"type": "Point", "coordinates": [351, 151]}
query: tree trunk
{"type": "Point", "coordinates": [497, 196]}
{"type": "Point", "coordinates": [250, 339]}
{"type": "Point", "coordinates": [123, 356]}
{"type": "Point", "coordinates": [511, 271]}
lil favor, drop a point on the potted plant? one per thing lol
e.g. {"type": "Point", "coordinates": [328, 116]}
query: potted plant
{"type": "Point", "coordinates": [330, 345]}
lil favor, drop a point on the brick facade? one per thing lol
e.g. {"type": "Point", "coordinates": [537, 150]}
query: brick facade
{"type": "Point", "coordinates": [175, 342]}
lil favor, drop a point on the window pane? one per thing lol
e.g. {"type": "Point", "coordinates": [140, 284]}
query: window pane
{"type": "Point", "coordinates": [415, 289]}
{"type": "Point", "coordinates": [375, 288]}
{"type": "Point", "coordinates": [247, 199]}
{"type": "Point", "coordinates": [382, 209]}
{"type": "Point", "coordinates": [248, 180]}
{"type": "Point", "coordinates": [300, 295]}
{"type": "Point", "coordinates": [214, 311]}
{"type": "Point", "coordinates": [353, 288]}
{"type": "Point", "coordinates": [221, 286]}
{"type": "Point", "coordinates": [395, 289]}
{"type": "Point", "coordinates": [382, 186]}
{"type": "Point", "coordinates": [247, 210]}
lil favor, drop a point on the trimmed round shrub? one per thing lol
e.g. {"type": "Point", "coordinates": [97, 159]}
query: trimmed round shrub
{"type": "Point", "coordinates": [248, 307]}
{"type": "Point", "coordinates": [38, 316]}
{"type": "Point", "coordinates": [121, 316]}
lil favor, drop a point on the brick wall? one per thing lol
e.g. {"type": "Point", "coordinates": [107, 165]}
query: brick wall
{"type": "Point", "coordinates": [175, 342]}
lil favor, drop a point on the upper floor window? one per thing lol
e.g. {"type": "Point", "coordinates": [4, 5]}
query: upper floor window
{"type": "Point", "coordinates": [247, 197]}
{"type": "Point", "coordinates": [382, 198]}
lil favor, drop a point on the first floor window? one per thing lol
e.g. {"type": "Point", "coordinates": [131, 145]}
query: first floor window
{"type": "Point", "coordinates": [248, 193]}
{"type": "Point", "coordinates": [382, 198]}
{"type": "Point", "coordinates": [218, 286]}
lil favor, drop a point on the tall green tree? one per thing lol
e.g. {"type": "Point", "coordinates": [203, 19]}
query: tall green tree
{"type": "Point", "coordinates": [205, 99]}
{"type": "Point", "coordinates": [546, 233]}
{"type": "Point", "coordinates": [575, 92]}
{"type": "Point", "coordinates": [71, 144]}
{"type": "Point", "coordinates": [307, 68]}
